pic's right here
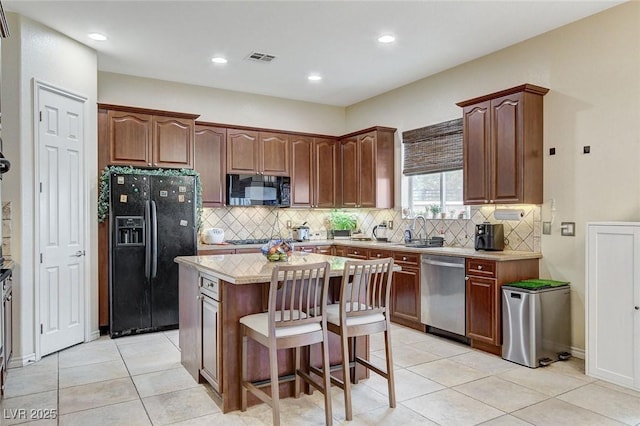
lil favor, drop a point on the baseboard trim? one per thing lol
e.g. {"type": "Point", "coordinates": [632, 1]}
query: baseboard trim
{"type": "Point", "coordinates": [577, 352]}
{"type": "Point", "coordinates": [94, 335]}
{"type": "Point", "coordinates": [21, 361]}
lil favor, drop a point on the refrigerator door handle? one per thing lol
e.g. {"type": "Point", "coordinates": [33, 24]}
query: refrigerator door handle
{"type": "Point", "coordinates": [147, 246]}
{"type": "Point", "coordinates": [154, 240]}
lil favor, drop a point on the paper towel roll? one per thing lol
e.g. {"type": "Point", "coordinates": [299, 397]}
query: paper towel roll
{"type": "Point", "coordinates": [508, 214]}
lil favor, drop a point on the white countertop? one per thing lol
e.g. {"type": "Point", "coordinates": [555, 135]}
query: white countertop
{"type": "Point", "coordinates": [499, 256]}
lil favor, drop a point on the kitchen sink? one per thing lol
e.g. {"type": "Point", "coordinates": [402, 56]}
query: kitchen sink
{"type": "Point", "coordinates": [429, 242]}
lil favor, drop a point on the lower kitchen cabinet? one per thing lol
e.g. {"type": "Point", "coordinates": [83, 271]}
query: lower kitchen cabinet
{"type": "Point", "coordinates": [484, 280]}
{"type": "Point", "coordinates": [200, 329]}
{"type": "Point", "coordinates": [405, 291]}
{"type": "Point", "coordinates": [210, 338]}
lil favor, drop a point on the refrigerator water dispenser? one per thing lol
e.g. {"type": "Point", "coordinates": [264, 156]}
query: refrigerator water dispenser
{"type": "Point", "coordinates": [130, 231]}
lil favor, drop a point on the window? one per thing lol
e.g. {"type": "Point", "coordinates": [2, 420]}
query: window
{"type": "Point", "coordinates": [443, 189]}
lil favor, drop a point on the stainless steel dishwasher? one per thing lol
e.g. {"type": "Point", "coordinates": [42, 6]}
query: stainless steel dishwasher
{"type": "Point", "coordinates": [443, 294]}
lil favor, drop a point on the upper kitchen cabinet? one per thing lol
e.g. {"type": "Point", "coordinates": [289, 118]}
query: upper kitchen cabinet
{"type": "Point", "coordinates": [366, 168]}
{"type": "Point", "coordinates": [149, 138]}
{"type": "Point", "coordinates": [503, 146]}
{"type": "Point", "coordinates": [250, 151]}
{"type": "Point", "coordinates": [209, 160]}
{"type": "Point", "coordinates": [313, 171]}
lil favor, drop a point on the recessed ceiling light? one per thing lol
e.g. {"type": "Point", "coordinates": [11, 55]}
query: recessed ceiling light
{"type": "Point", "coordinates": [97, 37]}
{"type": "Point", "coordinates": [219, 60]}
{"type": "Point", "coordinates": [314, 77]}
{"type": "Point", "coordinates": [386, 39]}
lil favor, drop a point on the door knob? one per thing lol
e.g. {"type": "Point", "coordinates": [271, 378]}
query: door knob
{"type": "Point", "coordinates": [637, 308]}
{"type": "Point", "coordinates": [79, 253]}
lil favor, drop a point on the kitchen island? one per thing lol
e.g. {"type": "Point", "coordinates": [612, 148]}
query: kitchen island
{"type": "Point", "coordinates": [215, 291]}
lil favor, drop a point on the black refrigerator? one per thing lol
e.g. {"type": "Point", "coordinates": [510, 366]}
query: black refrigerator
{"type": "Point", "coordinates": [152, 220]}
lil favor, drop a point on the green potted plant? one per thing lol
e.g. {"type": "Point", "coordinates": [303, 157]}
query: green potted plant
{"type": "Point", "coordinates": [435, 210]}
{"type": "Point", "coordinates": [342, 223]}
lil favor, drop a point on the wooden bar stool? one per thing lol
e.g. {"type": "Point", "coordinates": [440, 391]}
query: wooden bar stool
{"type": "Point", "coordinates": [363, 309]}
{"type": "Point", "coordinates": [295, 318]}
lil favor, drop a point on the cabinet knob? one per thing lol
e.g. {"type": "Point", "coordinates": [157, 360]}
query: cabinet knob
{"type": "Point", "coordinates": [155, 164]}
{"type": "Point", "coordinates": [355, 252]}
{"type": "Point", "coordinates": [480, 267]}
{"type": "Point", "coordinates": [486, 201]}
{"type": "Point", "coordinates": [148, 164]}
{"type": "Point", "coordinates": [491, 201]}
{"type": "Point", "coordinates": [404, 258]}
{"type": "Point", "coordinates": [378, 255]}
{"type": "Point", "coordinates": [466, 278]}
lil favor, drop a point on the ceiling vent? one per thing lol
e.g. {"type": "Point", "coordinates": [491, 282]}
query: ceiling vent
{"type": "Point", "coordinates": [260, 57]}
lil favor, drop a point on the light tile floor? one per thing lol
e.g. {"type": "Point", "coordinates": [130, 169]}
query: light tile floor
{"type": "Point", "coordinates": [138, 380]}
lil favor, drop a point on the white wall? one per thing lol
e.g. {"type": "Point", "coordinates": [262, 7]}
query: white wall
{"type": "Point", "coordinates": [36, 52]}
{"type": "Point", "coordinates": [221, 106]}
{"type": "Point", "coordinates": [592, 68]}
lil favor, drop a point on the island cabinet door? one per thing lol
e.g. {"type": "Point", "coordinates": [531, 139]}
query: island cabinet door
{"type": "Point", "coordinates": [210, 366]}
{"type": "Point", "coordinates": [189, 299]}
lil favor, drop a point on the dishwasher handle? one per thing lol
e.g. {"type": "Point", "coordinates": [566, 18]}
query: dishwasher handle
{"type": "Point", "coordinates": [439, 263]}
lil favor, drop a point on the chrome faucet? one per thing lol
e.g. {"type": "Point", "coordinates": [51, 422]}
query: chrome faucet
{"type": "Point", "coordinates": [424, 225]}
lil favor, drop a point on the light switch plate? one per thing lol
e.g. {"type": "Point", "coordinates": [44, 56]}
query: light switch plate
{"type": "Point", "coordinates": [568, 229]}
{"type": "Point", "coordinates": [546, 228]}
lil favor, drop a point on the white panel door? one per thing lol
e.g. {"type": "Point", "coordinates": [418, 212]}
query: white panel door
{"type": "Point", "coordinates": [61, 218]}
{"type": "Point", "coordinates": [613, 302]}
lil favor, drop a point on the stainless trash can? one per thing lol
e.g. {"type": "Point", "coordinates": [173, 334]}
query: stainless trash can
{"type": "Point", "coordinates": [536, 322]}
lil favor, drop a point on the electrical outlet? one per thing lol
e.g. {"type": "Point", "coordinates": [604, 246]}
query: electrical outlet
{"type": "Point", "coordinates": [288, 224]}
{"type": "Point", "coordinates": [390, 224]}
{"type": "Point", "coordinates": [568, 229]}
{"type": "Point", "coordinates": [546, 228]}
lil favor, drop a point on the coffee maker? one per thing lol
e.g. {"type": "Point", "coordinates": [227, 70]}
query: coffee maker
{"type": "Point", "coordinates": [489, 236]}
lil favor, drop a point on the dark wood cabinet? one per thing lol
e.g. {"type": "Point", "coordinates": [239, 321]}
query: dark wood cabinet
{"type": "Point", "coordinates": [503, 146]}
{"type": "Point", "coordinates": [484, 280]}
{"type": "Point", "coordinates": [302, 166]}
{"type": "Point", "coordinates": [210, 338]}
{"type": "Point", "coordinates": [482, 304]}
{"type": "Point", "coordinates": [325, 166]}
{"type": "Point", "coordinates": [149, 138]}
{"type": "Point", "coordinates": [405, 291]}
{"type": "Point", "coordinates": [250, 151]}
{"type": "Point", "coordinates": [274, 152]}
{"type": "Point", "coordinates": [366, 169]}
{"type": "Point", "coordinates": [210, 160]}
{"type": "Point", "coordinates": [242, 151]}
{"type": "Point", "coordinates": [129, 138]}
{"type": "Point", "coordinates": [313, 172]}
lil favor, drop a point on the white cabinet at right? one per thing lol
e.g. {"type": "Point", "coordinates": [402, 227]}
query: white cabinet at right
{"type": "Point", "coordinates": [613, 302]}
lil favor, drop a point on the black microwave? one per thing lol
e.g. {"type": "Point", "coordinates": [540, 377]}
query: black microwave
{"type": "Point", "coordinates": [258, 190]}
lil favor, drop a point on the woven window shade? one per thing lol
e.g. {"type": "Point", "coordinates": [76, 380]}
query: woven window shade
{"type": "Point", "coordinates": [432, 149]}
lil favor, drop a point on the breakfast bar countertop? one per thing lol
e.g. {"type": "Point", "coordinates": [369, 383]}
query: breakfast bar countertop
{"type": "Point", "coordinates": [252, 268]}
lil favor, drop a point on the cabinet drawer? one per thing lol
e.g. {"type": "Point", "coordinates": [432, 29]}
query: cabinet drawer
{"type": "Point", "coordinates": [215, 252]}
{"type": "Point", "coordinates": [379, 254]}
{"type": "Point", "coordinates": [481, 267]}
{"type": "Point", "coordinates": [306, 249]}
{"type": "Point", "coordinates": [209, 286]}
{"type": "Point", "coordinates": [406, 258]}
{"type": "Point", "coordinates": [328, 250]}
{"type": "Point", "coordinates": [356, 252]}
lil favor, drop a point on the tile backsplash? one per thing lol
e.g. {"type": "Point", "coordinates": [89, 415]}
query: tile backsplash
{"type": "Point", "coordinates": [258, 222]}
{"type": "Point", "coordinates": [6, 229]}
